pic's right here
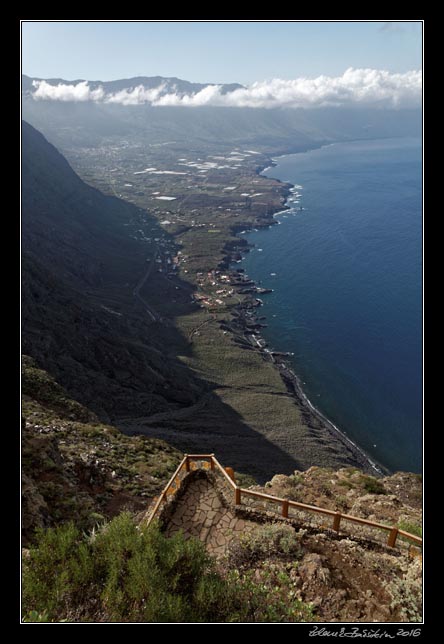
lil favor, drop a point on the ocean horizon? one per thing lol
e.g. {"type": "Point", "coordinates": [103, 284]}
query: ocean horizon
{"type": "Point", "coordinates": [345, 266]}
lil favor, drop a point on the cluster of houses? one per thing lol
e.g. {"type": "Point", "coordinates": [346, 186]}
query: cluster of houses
{"type": "Point", "coordinates": [219, 285]}
{"type": "Point", "coordinates": [213, 279]}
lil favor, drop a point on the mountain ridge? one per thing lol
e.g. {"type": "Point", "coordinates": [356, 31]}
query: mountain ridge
{"type": "Point", "coordinates": [279, 130]}
{"type": "Point", "coordinates": [148, 82]}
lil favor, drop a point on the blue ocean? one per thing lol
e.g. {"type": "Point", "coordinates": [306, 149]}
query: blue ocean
{"type": "Point", "coordinates": [345, 264]}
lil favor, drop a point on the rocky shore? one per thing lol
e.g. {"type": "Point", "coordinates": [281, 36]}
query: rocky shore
{"type": "Point", "coordinates": [246, 325]}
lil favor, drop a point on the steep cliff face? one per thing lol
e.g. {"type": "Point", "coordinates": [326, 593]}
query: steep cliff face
{"type": "Point", "coordinates": [71, 228]}
{"type": "Point", "coordinates": [81, 320]}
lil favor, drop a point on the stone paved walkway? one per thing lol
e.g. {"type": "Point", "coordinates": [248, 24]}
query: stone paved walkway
{"type": "Point", "coordinates": [203, 512]}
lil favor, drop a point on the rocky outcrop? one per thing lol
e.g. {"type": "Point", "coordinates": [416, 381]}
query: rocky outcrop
{"type": "Point", "coordinates": [76, 468]}
{"type": "Point", "coordinates": [395, 499]}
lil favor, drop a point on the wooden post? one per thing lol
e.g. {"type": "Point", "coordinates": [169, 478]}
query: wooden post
{"type": "Point", "coordinates": [212, 461]}
{"type": "Point", "coordinates": [237, 496]}
{"type": "Point", "coordinates": [187, 463]}
{"type": "Point", "coordinates": [337, 521]}
{"type": "Point", "coordinates": [392, 537]}
{"type": "Point", "coordinates": [230, 472]}
{"type": "Point", "coordinates": [285, 509]}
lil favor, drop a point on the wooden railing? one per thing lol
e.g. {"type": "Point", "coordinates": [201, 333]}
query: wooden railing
{"type": "Point", "coordinates": [285, 507]}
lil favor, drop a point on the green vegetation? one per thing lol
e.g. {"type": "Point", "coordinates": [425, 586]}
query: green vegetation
{"type": "Point", "coordinates": [127, 573]}
{"type": "Point", "coordinates": [356, 481]}
{"type": "Point", "coordinates": [244, 480]}
{"type": "Point", "coordinates": [268, 595]}
{"type": "Point", "coordinates": [413, 528]}
{"type": "Point", "coordinates": [35, 616]}
{"type": "Point", "coordinates": [121, 573]}
{"type": "Point", "coordinates": [346, 483]}
{"type": "Point", "coordinates": [342, 502]}
{"type": "Point", "coordinates": [372, 485]}
{"type": "Point", "coordinates": [406, 593]}
{"type": "Point", "coordinates": [269, 540]}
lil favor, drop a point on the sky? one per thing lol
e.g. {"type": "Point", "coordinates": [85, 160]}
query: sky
{"type": "Point", "coordinates": [218, 51]}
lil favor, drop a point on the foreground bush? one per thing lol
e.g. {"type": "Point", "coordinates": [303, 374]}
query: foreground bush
{"type": "Point", "coordinates": [126, 573]}
{"type": "Point", "coordinates": [122, 573]}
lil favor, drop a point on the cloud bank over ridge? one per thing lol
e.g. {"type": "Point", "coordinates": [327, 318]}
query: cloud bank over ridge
{"type": "Point", "coordinates": [356, 87]}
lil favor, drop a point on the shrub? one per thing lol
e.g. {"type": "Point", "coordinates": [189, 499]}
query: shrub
{"type": "Point", "coordinates": [268, 595]}
{"type": "Point", "coordinates": [34, 616]}
{"type": "Point", "coordinates": [342, 502]}
{"type": "Point", "coordinates": [59, 572]}
{"type": "Point", "coordinates": [346, 483]}
{"type": "Point", "coordinates": [413, 528]}
{"type": "Point", "coordinates": [272, 539]}
{"type": "Point", "coordinates": [351, 470]}
{"type": "Point", "coordinates": [245, 480]}
{"type": "Point", "coordinates": [406, 592]}
{"type": "Point", "coordinates": [147, 574]}
{"type": "Point", "coordinates": [122, 573]}
{"type": "Point", "coordinates": [372, 485]}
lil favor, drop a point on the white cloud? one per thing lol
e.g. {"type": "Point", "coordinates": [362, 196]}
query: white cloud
{"type": "Point", "coordinates": [365, 87]}
{"type": "Point", "coordinates": [210, 95]}
{"type": "Point", "coordinates": [355, 87]}
{"type": "Point", "coordinates": [61, 92]}
{"type": "Point", "coordinates": [136, 96]}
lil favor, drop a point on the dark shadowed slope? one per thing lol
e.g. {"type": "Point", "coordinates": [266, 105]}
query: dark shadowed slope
{"type": "Point", "coordinates": [80, 318]}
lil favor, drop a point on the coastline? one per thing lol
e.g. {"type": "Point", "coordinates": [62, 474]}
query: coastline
{"type": "Point", "coordinates": [286, 371]}
{"type": "Point", "coordinates": [360, 454]}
